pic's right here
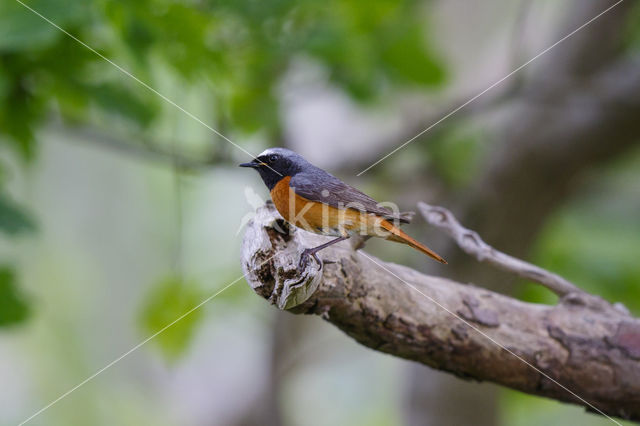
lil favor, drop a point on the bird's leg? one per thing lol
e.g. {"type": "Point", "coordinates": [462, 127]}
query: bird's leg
{"type": "Point", "coordinates": [304, 257]}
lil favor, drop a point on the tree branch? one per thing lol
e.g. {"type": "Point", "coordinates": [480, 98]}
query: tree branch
{"type": "Point", "coordinates": [473, 245]}
{"type": "Point", "coordinates": [592, 350]}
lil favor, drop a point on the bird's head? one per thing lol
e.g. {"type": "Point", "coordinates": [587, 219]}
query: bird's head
{"type": "Point", "coordinates": [276, 163]}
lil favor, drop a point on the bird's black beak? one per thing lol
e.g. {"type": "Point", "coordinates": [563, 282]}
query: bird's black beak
{"type": "Point", "coordinates": [252, 164]}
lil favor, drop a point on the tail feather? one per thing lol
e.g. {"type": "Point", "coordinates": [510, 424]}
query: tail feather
{"type": "Point", "coordinates": [401, 237]}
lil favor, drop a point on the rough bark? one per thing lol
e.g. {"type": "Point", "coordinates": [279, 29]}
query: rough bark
{"type": "Point", "coordinates": [591, 349]}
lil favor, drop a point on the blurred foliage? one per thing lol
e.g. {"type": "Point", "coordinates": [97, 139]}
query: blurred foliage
{"type": "Point", "coordinates": [41, 68]}
{"type": "Point", "coordinates": [13, 308]}
{"type": "Point", "coordinates": [595, 240]}
{"type": "Point", "coordinates": [14, 219]}
{"type": "Point", "coordinates": [455, 155]}
{"type": "Point", "coordinates": [241, 50]}
{"type": "Point", "coordinates": [633, 29]}
{"type": "Point", "coordinates": [169, 300]}
{"type": "Point", "coordinates": [602, 260]}
{"type": "Point", "coordinates": [520, 409]}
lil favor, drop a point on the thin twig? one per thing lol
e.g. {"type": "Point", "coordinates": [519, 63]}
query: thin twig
{"type": "Point", "coordinates": [472, 244]}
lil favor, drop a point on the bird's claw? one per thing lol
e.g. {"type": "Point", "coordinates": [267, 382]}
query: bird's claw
{"type": "Point", "coordinates": [304, 259]}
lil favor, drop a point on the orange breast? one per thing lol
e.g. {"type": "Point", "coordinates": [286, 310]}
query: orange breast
{"type": "Point", "coordinates": [318, 217]}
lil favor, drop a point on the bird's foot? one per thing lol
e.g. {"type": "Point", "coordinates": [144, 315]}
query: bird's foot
{"type": "Point", "coordinates": [304, 258]}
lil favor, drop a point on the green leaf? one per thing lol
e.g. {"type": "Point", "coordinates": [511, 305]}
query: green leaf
{"type": "Point", "coordinates": [14, 219]}
{"type": "Point", "coordinates": [170, 299]}
{"type": "Point", "coordinates": [13, 308]}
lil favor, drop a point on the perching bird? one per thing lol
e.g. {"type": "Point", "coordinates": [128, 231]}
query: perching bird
{"type": "Point", "coordinates": [319, 202]}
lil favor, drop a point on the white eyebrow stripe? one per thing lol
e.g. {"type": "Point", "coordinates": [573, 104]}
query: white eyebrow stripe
{"type": "Point", "coordinates": [266, 152]}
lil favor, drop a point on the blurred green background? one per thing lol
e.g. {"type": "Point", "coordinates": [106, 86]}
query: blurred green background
{"type": "Point", "coordinates": [120, 212]}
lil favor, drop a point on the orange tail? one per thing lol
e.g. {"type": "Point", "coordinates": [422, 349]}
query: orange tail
{"type": "Point", "coordinates": [401, 237]}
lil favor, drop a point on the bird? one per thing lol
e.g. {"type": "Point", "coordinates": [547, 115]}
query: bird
{"type": "Point", "coordinates": [314, 200]}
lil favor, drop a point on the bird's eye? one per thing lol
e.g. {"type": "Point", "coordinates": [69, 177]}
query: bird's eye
{"type": "Point", "coordinates": [273, 158]}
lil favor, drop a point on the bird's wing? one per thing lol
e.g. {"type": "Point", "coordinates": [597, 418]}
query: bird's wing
{"type": "Point", "coordinates": [320, 186]}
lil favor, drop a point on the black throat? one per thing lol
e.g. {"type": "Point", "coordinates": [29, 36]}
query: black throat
{"type": "Point", "coordinates": [270, 177]}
